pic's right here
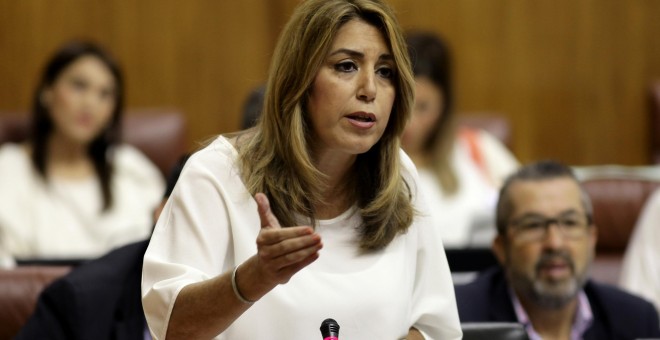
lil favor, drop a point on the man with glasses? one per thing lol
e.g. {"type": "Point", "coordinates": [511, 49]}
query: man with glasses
{"type": "Point", "coordinates": [545, 244]}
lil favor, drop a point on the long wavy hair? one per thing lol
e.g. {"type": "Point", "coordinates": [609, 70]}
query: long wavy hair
{"type": "Point", "coordinates": [277, 160]}
{"type": "Point", "coordinates": [431, 58]}
{"type": "Point", "coordinates": [42, 123]}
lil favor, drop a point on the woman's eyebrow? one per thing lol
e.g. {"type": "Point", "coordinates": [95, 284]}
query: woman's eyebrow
{"type": "Point", "coordinates": [360, 55]}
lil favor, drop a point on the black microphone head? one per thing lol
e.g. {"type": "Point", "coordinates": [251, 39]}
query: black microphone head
{"type": "Point", "coordinates": [329, 327]}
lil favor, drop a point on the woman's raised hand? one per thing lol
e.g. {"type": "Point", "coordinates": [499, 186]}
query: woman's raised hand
{"type": "Point", "coordinates": [282, 252]}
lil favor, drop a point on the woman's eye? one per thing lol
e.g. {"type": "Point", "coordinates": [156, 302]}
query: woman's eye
{"type": "Point", "coordinates": [385, 72]}
{"type": "Point", "coordinates": [346, 66]}
{"type": "Point", "coordinates": [78, 84]}
{"type": "Point", "coordinates": [105, 94]}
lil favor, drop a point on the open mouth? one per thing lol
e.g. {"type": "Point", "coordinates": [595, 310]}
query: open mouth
{"type": "Point", "coordinates": [362, 117]}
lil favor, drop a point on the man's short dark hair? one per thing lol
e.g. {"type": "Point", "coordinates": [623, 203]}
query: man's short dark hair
{"type": "Point", "coordinates": [538, 171]}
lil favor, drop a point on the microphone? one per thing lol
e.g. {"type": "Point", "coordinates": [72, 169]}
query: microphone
{"type": "Point", "coordinates": [330, 329]}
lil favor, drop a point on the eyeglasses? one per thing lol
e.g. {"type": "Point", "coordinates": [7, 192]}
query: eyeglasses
{"type": "Point", "coordinates": [536, 228]}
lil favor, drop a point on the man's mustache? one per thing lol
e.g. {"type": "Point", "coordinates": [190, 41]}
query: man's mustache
{"type": "Point", "coordinates": [547, 258]}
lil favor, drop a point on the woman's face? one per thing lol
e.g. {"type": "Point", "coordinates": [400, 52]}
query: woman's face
{"type": "Point", "coordinates": [352, 95]}
{"type": "Point", "coordinates": [82, 99]}
{"type": "Point", "coordinates": [426, 112]}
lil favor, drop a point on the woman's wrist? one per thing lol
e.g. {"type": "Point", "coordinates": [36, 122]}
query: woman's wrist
{"type": "Point", "coordinates": [237, 291]}
{"type": "Point", "coordinates": [246, 284]}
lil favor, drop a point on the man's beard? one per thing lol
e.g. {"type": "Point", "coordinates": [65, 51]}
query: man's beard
{"type": "Point", "coordinates": [548, 293]}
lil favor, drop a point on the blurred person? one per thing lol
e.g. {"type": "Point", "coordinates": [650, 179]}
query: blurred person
{"type": "Point", "coordinates": [99, 299]}
{"type": "Point", "coordinates": [72, 190]}
{"type": "Point", "coordinates": [460, 169]}
{"type": "Point", "coordinates": [6, 260]}
{"type": "Point", "coordinates": [311, 214]}
{"type": "Point", "coordinates": [545, 245]}
{"type": "Point", "coordinates": [252, 107]}
{"type": "Point", "coordinates": [640, 272]}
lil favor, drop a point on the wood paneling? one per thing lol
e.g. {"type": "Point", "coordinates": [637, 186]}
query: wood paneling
{"type": "Point", "coordinates": [570, 75]}
{"type": "Point", "coordinates": [200, 56]}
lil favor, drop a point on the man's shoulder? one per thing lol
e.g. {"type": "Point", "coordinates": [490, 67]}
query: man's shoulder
{"type": "Point", "coordinates": [114, 267]}
{"type": "Point", "coordinates": [96, 299]}
{"type": "Point", "coordinates": [628, 315]}
{"type": "Point", "coordinates": [484, 280]}
{"type": "Point", "coordinates": [616, 299]}
{"type": "Point", "coordinates": [486, 298]}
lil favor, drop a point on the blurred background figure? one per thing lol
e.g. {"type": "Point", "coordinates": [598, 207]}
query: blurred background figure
{"type": "Point", "coordinates": [640, 272]}
{"type": "Point", "coordinates": [101, 298]}
{"type": "Point", "coordinates": [6, 260]}
{"type": "Point", "coordinates": [73, 190]}
{"type": "Point", "coordinates": [252, 107]}
{"type": "Point", "coordinates": [460, 169]}
{"type": "Point", "coordinates": [545, 246]}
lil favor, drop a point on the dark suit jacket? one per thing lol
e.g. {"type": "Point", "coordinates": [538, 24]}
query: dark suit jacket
{"type": "Point", "coordinates": [100, 299]}
{"type": "Point", "coordinates": [617, 314]}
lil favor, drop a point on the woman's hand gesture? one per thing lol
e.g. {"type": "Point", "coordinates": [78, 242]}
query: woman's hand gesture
{"type": "Point", "coordinates": [282, 252]}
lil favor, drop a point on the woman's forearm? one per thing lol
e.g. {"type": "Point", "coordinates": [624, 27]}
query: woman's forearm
{"type": "Point", "coordinates": [205, 309]}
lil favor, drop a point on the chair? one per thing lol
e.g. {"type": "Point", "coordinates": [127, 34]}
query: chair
{"type": "Point", "coordinates": [617, 203]}
{"type": "Point", "coordinates": [19, 290]}
{"type": "Point", "coordinates": [493, 331]}
{"type": "Point", "coordinates": [159, 133]}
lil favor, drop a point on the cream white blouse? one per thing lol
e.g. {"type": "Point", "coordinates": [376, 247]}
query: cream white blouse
{"type": "Point", "coordinates": [210, 225]}
{"type": "Point", "coordinates": [63, 218]}
{"type": "Point", "coordinates": [640, 272]}
{"type": "Point", "coordinates": [467, 217]}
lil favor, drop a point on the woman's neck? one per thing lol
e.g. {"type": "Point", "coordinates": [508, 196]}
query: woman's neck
{"type": "Point", "coordinates": [67, 158]}
{"type": "Point", "coordinates": [338, 172]}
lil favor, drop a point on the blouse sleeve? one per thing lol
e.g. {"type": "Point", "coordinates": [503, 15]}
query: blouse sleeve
{"type": "Point", "coordinates": [193, 240]}
{"type": "Point", "coordinates": [434, 312]}
{"type": "Point", "coordinates": [640, 272]}
{"type": "Point", "coordinates": [134, 165]}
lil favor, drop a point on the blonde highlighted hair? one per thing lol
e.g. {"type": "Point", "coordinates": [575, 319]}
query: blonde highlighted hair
{"type": "Point", "coordinates": [276, 158]}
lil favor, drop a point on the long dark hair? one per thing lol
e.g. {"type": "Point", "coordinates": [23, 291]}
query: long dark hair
{"type": "Point", "coordinates": [431, 58]}
{"type": "Point", "coordinates": [42, 124]}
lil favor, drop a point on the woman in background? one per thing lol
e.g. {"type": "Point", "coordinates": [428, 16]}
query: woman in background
{"type": "Point", "coordinates": [640, 270]}
{"type": "Point", "coordinates": [460, 169]}
{"type": "Point", "coordinates": [312, 214]}
{"type": "Point", "coordinates": [73, 190]}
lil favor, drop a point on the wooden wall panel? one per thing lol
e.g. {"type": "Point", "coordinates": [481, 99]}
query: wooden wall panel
{"type": "Point", "coordinates": [571, 76]}
{"type": "Point", "coordinates": [200, 56]}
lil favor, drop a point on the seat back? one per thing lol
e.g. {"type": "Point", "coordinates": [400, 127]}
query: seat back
{"type": "Point", "coordinates": [493, 331]}
{"type": "Point", "coordinates": [19, 289]}
{"type": "Point", "coordinates": [159, 133]}
{"type": "Point", "coordinates": [617, 203]}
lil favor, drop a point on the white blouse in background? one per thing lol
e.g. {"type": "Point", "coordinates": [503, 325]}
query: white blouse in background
{"type": "Point", "coordinates": [640, 271]}
{"type": "Point", "coordinates": [467, 217]}
{"type": "Point", "coordinates": [210, 225]}
{"type": "Point", "coordinates": [63, 218]}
